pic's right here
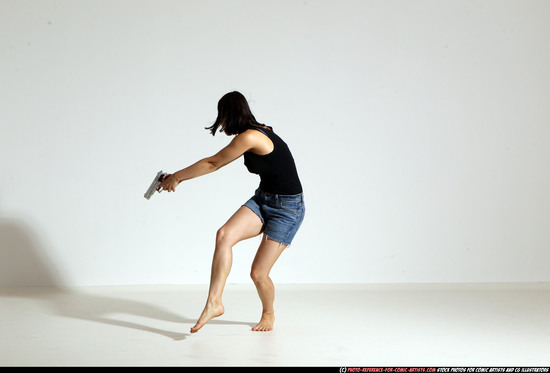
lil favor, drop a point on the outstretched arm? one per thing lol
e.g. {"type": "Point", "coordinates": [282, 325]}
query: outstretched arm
{"type": "Point", "coordinates": [237, 147]}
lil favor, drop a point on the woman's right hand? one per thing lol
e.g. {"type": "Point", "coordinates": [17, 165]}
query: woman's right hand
{"type": "Point", "coordinates": [169, 183]}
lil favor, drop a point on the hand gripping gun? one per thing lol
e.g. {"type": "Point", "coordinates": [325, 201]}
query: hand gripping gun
{"type": "Point", "coordinates": [155, 184]}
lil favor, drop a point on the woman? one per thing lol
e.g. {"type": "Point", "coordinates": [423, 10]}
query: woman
{"type": "Point", "coordinates": [277, 208]}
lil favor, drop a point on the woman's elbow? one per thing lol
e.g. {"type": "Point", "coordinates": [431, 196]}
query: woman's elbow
{"type": "Point", "coordinates": [213, 165]}
{"type": "Point", "coordinates": [216, 162]}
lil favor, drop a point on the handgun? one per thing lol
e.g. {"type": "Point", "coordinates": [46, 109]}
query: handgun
{"type": "Point", "coordinates": [155, 184]}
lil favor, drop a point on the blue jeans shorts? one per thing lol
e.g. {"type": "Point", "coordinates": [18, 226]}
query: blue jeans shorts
{"type": "Point", "coordinates": [281, 214]}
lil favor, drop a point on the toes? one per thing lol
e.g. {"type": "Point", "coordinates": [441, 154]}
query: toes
{"type": "Point", "coordinates": [262, 328]}
{"type": "Point", "coordinates": [196, 328]}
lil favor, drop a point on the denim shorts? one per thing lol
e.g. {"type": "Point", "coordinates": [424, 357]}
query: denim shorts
{"type": "Point", "coordinates": [281, 214]}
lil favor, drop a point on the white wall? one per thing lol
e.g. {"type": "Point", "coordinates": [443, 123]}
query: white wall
{"type": "Point", "coordinates": [420, 129]}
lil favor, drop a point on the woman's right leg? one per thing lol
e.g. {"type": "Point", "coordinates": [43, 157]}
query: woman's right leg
{"type": "Point", "coordinates": [242, 225]}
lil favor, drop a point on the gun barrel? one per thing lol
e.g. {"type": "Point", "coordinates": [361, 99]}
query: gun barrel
{"type": "Point", "coordinates": [154, 185]}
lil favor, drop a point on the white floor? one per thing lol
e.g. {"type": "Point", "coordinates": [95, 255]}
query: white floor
{"type": "Point", "coordinates": [317, 325]}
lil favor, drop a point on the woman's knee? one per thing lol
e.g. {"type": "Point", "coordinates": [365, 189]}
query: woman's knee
{"type": "Point", "coordinates": [225, 237]}
{"type": "Point", "coordinates": [221, 236]}
{"type": "Point", "coordinates": [258, 275]}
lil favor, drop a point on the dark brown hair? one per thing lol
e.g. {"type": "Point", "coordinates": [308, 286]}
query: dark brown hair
{"type": "Point", "coordinates": [234, 115]}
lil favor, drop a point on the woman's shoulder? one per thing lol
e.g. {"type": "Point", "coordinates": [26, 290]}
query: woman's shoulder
{"type": "Point", "coordinates": [259, 140]}
{"type": "Point", "coordinates": [260, 127]}
{"type": "Point", "coordinates": [253, 134]}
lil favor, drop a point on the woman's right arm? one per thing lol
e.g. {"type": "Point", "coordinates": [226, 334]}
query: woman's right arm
{"type": "Point", "coordinates": [237, 147]}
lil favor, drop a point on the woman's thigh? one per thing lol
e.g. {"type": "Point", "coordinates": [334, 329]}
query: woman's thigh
{"type": "Point", "coordinates": [244, 224]}
{"type": "Point", "coordinates": [266, 256]}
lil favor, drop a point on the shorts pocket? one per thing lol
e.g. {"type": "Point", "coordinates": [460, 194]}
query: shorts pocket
{"type": "Point", "coordinates": [291, 206]}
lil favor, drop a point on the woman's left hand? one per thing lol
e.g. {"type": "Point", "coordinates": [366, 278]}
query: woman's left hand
{"type": "Point", "coordinates": [169, 183]}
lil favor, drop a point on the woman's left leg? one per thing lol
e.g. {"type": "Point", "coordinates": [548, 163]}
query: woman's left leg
{"type": "Point", "coordinates": [268, 253]}
{"type": "Point", "coordinates": [244, 224]}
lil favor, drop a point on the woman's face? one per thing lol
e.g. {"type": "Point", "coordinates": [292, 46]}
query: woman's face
{"type": "Point", "coordinates": [223, 128]}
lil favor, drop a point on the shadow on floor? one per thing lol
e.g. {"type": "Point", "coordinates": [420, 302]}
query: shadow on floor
{"type": "Point", "coordinates": [26, 272]}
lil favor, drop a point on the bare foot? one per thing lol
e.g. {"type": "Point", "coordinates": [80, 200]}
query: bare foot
{"type": "Point", "coordinates": [266, 323]}
{"type": "Point", "coordinates": [209, 312]}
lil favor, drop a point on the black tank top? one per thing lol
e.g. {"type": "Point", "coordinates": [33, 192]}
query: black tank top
{"type": "Point", "coordinates": [277, 170]}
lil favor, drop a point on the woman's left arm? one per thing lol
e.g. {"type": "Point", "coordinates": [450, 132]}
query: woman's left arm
{"type": "Point", "coordinates": [237, 147]}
